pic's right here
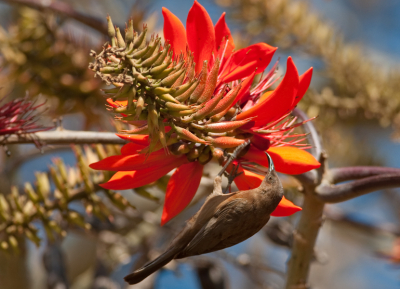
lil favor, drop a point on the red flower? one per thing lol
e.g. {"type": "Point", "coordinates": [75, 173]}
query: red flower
{"type": "Point", "coordinates": [261, 117]}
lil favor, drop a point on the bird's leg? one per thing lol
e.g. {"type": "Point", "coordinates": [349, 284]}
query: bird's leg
{"type": "Point", "coordinates": [231, 177]}
{"type": "Point", "coordinates": [233, 156]}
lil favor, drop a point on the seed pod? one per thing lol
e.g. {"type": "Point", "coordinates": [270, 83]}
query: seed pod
{"type": "Point", "coordinates": [184, 96]}
{"type": "Point", "coordinates": [161, 135]}
{"type": "Point", "coordinates": [179, 81]}
{"type": "Point", "coordinates": [176, 107]}
{"type": "Point", "coordinates": [200, 88]}
{"type": "Point", "coordinates": [125, 109]}
{"type": "Point", "coordinates": [131, 96]}
{"type": "Point", "coordinates": [152, 47]}
{"type": "Point", "coordinates": [141, 39]}
{"type": "Point", "coordinates": [169, 80]}
{"type": "Point", "coordinates": [182, 88]}
{"type": "Point", "coordinates": [221, 127]}
{"type": "Point", "coordinates": [110, 90]}
{"type": "Point", "coordinates": [162, 90]}
{"type": "Point", "coordinates": [120, 39]}
{"type": "Point", "coordinates": [224, 105]}
{"type": "Point", "coordinates": [129, 32]}
{"type": "Point", "coordinates": [139, 107]}
{"type": "Point", "coordinates": [31, 193]}
{"type": "Point", "coordinates": [139, 53]}
{"type": "Point", "coordinates": [225, 141]}
{"type": "Point", "coordinates": [111, 29]}
{"type": "Point", "coordinates": [170, 98]}
{"type": "Point", "coordinates": [163, 55]}
{"type": "Point", "coordinates": [149, 61]}
{"type": "Point", "coordinates": [210, 84]}
{"type": "Point", "coordinates": [157, 70]}
{"type": "Point", "coordinates": [153, 117]}
{"type": "Point", "coordinates": [121, 92]}
{"type": "Point", "coordinates": [181, 113]}
{"type": "Point", "coordinates": [165, 72]}
{"type": "Point", "coordinates": [185, 134]}
{"type": "Point", "coordinates": [209, 106]}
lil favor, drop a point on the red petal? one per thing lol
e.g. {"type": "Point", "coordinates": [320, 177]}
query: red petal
{"type": "Point", "coordinates": [139, 139]}
{"type": "Point", "coordinates": [245, 88]}
{"type": "Point", "coordinates": [245, 61]}
{"type": "Point", "coordinates": [181, 189]}
{"type": "Point", "coordinates": [222, 34]}
{"type": "Point", "coordinates": [139, 178]}
{"type": "Point", "coordinates": [200, 34]}
{"type": "Point", "coordinates": [279, 102]}
{"type": "Point", "coordinates": [116, 103]}
{"type": "Point", "coordinates": [131, 148]}
{"type": "Point", "coordinates": [134, 161]}
{"type": "Point", "coordinates": [304, 83]}
{"type": "Point", "coordinates": [285, 208]}
{"type": "Point", "coordinates": [248, 180]}
{"type": "Point", "coordinates": [293, 161]}
{"type": "Point", "coordinates": [174, 32]}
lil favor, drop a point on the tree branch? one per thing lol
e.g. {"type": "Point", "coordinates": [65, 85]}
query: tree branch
{"type": "Point", "coordinates": [344, 192]}
{"type": "Point", "coordinates": [65, 10]}
{"type": "Point", "coordinates": [63, 137]}
{"type": "Point", "coordinates": [339, 175]}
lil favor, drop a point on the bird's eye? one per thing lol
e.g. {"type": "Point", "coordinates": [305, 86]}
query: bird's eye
{"type": "Point", "coordinates": [270, 178]}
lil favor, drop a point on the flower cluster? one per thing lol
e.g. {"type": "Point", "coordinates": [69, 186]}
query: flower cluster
{"type": "Point", "coordinates": [192, 97]}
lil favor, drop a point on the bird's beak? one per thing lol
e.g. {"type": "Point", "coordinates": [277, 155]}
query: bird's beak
{"type": "Point", "coordinates": [271, 163]}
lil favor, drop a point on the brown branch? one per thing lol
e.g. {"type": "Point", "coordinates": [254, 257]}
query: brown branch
{"type": "Point", "coordinates": [58, 137]}
{"type": "Point", "coordinates": [65, 10]}
{"type": "Point", "coordinates": [344, 192]}
{"type": "Point", "coordinates": [338, 175]}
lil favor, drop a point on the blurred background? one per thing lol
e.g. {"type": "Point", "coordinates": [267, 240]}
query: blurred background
{"type": "Point", "coordinates": [354, 47]}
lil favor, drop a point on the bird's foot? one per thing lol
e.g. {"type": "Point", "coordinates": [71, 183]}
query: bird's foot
{"type": "Point", "coordinates": [231, 177]}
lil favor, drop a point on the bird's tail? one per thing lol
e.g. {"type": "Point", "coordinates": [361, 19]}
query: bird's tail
{"type": "Point", "coordinates": [151, 267]}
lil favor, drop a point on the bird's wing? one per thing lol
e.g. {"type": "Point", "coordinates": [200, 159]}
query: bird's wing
{"type": "Point", "coordinates": [217, 232]}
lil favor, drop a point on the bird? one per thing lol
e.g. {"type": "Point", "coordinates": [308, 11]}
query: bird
{"type": "Point", "coordinates": [224, 220]}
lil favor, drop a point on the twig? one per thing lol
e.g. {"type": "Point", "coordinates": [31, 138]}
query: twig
{"type": "Point", "coordinates": [344, 192]}
{"type": "Point", "coordinates": [64, 137]}
{"type": "Point", "coordinates": [65, 10]}
{"type": "Point", "coordinates": [339, 175]}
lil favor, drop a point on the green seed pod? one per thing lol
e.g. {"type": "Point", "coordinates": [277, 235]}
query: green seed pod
{"type": "Point", "coordinates": [168, 97]}
{"type": "Point", "coordinates": [164, 73]}
{"type": "Point", "coordinates": [176, 107]}
{"type": "Point", "coordinates": [120, 39]}
{"type": "Point", "coordinates": [111, 29]}
{"type": "Point", "coordinates": [42, 185]}
{"type": "Point", "coordinates": [169, 80]}
{"type": "Point", "coordinates": [131, 97]}
{"type": "Point", "coordinates": [141, 39]}
{"type": "Point", "coordinates": [152, 47]}
{"type": "Point", "coordinates": [139, 107]}
{"type": "Point", "coordinates": [162, 90]}
{"type": "Point", "coordinates": [157, 70]}
{"type": "Point", "coordinates": [149, 61]}
{"type": "Point", "coordinates": [139, 53]}
{"type": "Point", "coordinates": [163, 56]}
{"type": "Point", "coordinates": [184, 96]}
{"type": "Point", "coordinates": [129, 32]}
{"type": "Point", "coordinates": [31, 193]}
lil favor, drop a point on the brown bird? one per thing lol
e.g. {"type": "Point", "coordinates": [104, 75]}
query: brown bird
{"type": "Point", "coordinates": [223, 221]}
